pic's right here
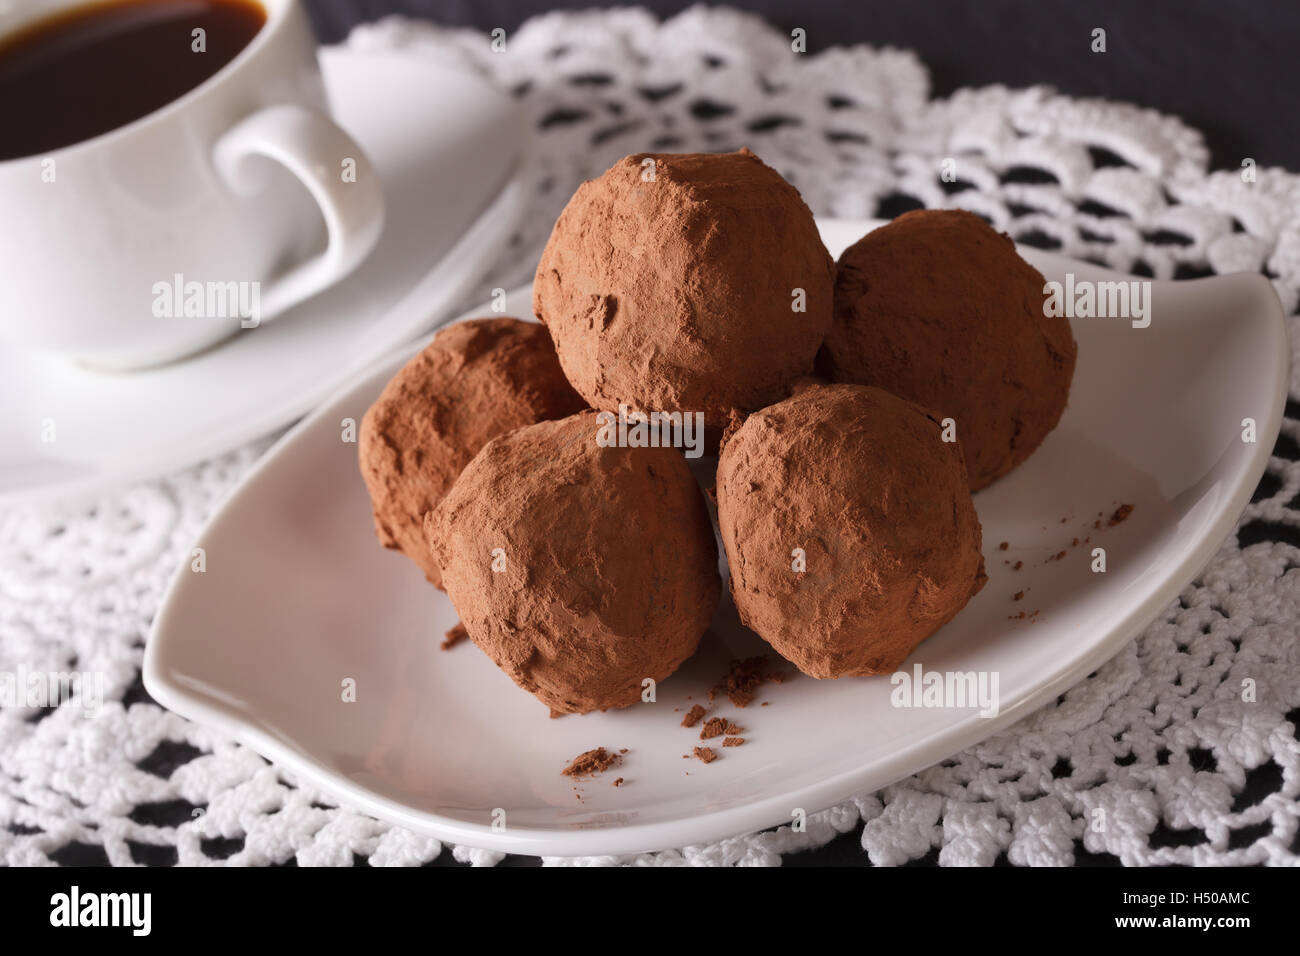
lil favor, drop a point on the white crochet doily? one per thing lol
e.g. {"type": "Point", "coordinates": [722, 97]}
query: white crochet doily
{"type": "Point", "coordinates": [1159, 736]}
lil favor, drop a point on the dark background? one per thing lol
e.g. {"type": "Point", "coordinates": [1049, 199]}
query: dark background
{"type": "Point", "coordinates": [1230, 68]}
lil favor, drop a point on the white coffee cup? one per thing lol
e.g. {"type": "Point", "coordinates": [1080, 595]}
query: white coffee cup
{"type": "Point", "coordinates": [241, 186]}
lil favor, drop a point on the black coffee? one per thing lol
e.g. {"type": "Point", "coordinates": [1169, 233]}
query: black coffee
{"type": "Point", "coordinates": [93, 68]}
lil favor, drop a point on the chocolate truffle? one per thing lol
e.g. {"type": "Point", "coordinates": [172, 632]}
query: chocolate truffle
{"type": "Point", "coordinates": [685, 282]}
{"type": "Point", "coordinates": [474, 381]}
{"type": "Point", "coordinates": [849, 528]}
{"type": "Point", "coordinates": [938, 307]}
{"type": "Point", "coordinates": [580, 569]}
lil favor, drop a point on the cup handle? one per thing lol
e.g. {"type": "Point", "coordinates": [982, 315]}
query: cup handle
{"type": "Point", "coordinates": [312, 148]}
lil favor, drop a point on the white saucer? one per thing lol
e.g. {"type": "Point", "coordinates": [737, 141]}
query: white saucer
{"type": "Point", "coordinates": [298, 596]}
{"type": "Point", "coordinates": [446, 145]}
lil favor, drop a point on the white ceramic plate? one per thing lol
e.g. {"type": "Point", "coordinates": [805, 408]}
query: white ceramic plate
{"type": "Point", "coordinates": [298, 596]}
{"type": "Point", "coordinates": [446, 145]}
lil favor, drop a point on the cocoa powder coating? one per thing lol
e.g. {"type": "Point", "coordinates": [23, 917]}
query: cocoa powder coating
{"type": "Point", "coordinates": [861, 482]}
{"type": "Point", "coordinates": [474, 381]}
{"type": "Point", "coordinates": [677, 292]}
{"type": "Point", "coordinates": [937, 307]}
{"type": "Point", "coordinates": [581, 570]}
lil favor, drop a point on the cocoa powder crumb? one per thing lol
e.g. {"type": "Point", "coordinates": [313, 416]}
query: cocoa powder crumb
{"type": "Point", "coordinates": [718, 726]}
{"type": "Point", "coordinates": [1017, 566]}
{"type": "Point", "coordinates": [693, 716]}
{"type": "Point", "coordinates": [1004, 545]}
{"type": "Point", "coordinates": [733, 741]}
{"type": "Point", "coordinates": [591, 763]}
{"type": "Point", "coordinates": [1119, 515]}
{"type": "Point", "coordinates": [454, 636]}
{"type": "Point", "coordinates": [705, 754]}
{"type": "Point", "coordinates": [743, 679]}
{"type": "Point", "coordinates": [1018, 595]}
{"type": "Point", "coordinates": [618, 782]}
{"type": "Point", "coordinates": [713, 727]}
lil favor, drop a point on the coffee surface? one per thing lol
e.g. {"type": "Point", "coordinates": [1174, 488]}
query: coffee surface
{"type": "Point", "coordinates": [93, 68]}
